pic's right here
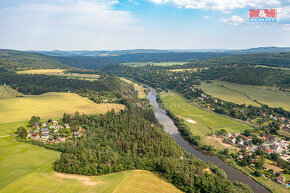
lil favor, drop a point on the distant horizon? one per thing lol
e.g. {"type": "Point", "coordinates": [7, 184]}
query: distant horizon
{"type": "Point", "coordinates": [169, 49]}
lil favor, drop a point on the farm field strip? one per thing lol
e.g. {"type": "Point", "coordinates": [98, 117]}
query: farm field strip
{"type": "Point", "coordinates": [50, 105]}
{"type": "Point", "coordinates": [60, 72]}
{"type": "Point", "coordinates": [238, 93]}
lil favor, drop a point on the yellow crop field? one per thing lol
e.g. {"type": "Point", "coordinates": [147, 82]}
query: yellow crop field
{"type": "Point", "coordinates": [145, 181]}
{"type": "Point", "coordinates": [50, 105]}
{"type": "Point", "coordinates": [60, 72]}
{"type": "Point", "coordinates": [8, 92]}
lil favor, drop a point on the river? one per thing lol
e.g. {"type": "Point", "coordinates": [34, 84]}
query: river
{"type": "Point", "coordinates": [169, 127]}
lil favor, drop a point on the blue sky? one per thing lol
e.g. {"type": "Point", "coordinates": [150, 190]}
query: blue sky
{"type": "Point", "coordinates": [134, 24]}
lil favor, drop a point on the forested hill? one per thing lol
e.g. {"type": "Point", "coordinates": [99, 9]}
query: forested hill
{"type": "Point", "coordinates": [17, 60]}
{"type": "Point", "coordinates": [266, 59]}
{"type": "Point", "coordinates": [133, 139]}
{"type": "Point", "coordinates": [96, 62]}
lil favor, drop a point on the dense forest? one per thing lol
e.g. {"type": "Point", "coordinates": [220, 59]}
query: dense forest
{"type": "Point", "coordinates": [133, 139]}
{"type": "Point", "coordinates": [17, 60]}
{"type": "Point", "coordinates": [266, 59]}
{"type": "Point", "coordinates": [39, 84]}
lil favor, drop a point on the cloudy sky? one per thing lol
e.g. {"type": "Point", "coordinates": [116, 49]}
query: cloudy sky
{"type": "Point", "coordinates": [132, 24]}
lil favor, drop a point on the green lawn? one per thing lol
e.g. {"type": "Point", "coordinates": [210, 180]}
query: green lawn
{"type": "Point", "coordinates": [236, 93]}
{"type": "Point", "coordinates": [28, 168]}
{"type": "Point", "coordinates": [205, 121]}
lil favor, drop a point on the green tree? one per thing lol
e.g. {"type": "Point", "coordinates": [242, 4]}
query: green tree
{"type": "Point", "coordinates": [21, 132]}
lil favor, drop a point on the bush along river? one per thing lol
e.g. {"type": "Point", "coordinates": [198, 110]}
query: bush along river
{"type": "Point", "coordinates": [169, 127]}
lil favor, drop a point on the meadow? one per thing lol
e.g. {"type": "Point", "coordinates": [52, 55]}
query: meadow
{"type": "Point", "coordinates": [144, 181]}
{"type": "Point", "coordinates": [206, 122]}
{"type": "Point", "coordinates": [29, 168]}
{"type": "Point", "coordinates": [8, 92]}
{"type": "Point", "coordinates": [154, 63]}
{"type": "Point", "coordinates": [238, 93]}
{"type": "Point", "coordinates": [50, 105]}
{"type": "Point", "coordinates": [139, 88]}
{"type": "Point", "coordinates": [60, 72]}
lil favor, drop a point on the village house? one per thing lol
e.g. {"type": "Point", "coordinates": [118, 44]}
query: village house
{"type": "Point", "coordinates": [281, 179]}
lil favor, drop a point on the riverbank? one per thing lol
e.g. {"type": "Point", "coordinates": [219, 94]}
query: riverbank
{"type": "Point", "coordinates": [180, 109]}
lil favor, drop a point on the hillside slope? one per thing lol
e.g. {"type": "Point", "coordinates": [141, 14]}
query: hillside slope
{"type": "Point", "coordinates": [18, 60]}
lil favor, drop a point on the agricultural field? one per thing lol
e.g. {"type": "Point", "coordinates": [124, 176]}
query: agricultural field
{"type": "Point", "coordinates": [139, 88]}
{"type": "Point", "coordinates": [61, 72]}
{"type": "Point", "coordinates": [28, 168]}
{"type": "Point", "coordinates": [238, 93]}
{"type": "Point", "coordinates": [144, 181]}
{"type": "Point", "coordinates": [50, 105]}
{"type": "Point", "coordinates": [201, 122]}
{"type": "Point", "coordinates": [7, 92]}
{"type": "Point", "coordinates": [154, 63]}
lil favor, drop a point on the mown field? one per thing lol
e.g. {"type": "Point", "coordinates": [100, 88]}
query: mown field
{"type": "Point", "coordinates": [49, 105]}
{"type": "Point", "coordinates": [8, 92]}
{"type": "Point", "coordinates": [206, 121]}
{"type": "Point", "coordinates": [238, 93]}
{"type": "Point", "coordinates": [154, 63]}
{"type": "Point", "coordinates": [29, 168]}
{"type": "Point", "coordinates": [60, 72]}
{"type": "Point", "coordinates": [139, 88]}
{"type": "Point", "coordinates": [144, 181]}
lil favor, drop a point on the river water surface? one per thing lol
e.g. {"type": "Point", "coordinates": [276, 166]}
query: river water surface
{"type": "Point", "coordinates": [169, 127]}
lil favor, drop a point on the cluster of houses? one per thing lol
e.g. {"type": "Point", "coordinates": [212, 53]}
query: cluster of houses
{"type": "Point", "coordinates": [270, 144]}
{"type": "Point", "coordinates": [52, 132]}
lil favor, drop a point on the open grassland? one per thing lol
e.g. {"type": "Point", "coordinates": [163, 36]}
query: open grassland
{"type": "Point", "coordinates": [154, 63]}
{"type": "Point", "coordinates": [139, 88]}
{"type": "Point", "coordinates": [50, 105]}
{"type": "Point", "coordinates": [145, 181]}
{"type": "Point", "coordinates": [7, 92]}
{"type": "Point", "coordinates": [238, 93]}
{"type": "Point", "coordinates": [206, 121]}
{"type": "Point", "coordinates": [28, 168]}
{"type": "Point", "coordinates": [60, 72]}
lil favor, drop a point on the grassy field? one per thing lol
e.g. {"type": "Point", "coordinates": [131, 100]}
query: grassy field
{"type": "Point", "coordinates": [28, 168]}
{"type": "Point", "coordinates": [7, 92]}
{"type": "Point", "coordinates": [154, 63]}
{"type": "Point", "coordinates": [60, 72]}
{"type": "Point", "coordinates": [234, 92]}
{"type": "Point", "coordinates": [139, 88]}
{"type": "Point", "coordinates": [145, 181]}
{"type": "Point", "coordinates": [206, 121]}
{"type": "Point", "coordinates": [49, 105]}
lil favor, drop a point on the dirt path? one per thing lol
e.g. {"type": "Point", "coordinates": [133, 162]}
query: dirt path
{"type": "Point", "coordinates": [7, 135]}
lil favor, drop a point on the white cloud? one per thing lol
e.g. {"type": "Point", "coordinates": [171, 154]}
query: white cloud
{"type": "Point", "coordinates": [206, 17]}
{"type": "Point", "coordinates": [220, 4]}
{"type": "Point", "coordinates": [234, 20]}
{"type": "Point", "coordinates": [65, 24]}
